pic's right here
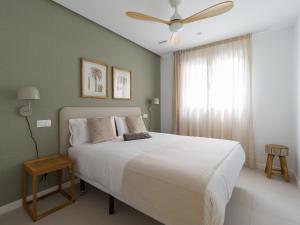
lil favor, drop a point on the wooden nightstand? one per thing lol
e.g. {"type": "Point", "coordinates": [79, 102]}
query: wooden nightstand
{"type": "Point", "coordinates": [37, 167]}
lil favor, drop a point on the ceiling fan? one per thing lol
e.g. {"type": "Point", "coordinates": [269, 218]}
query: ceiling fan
{"type": "Point", "coordinates": [176, 22]}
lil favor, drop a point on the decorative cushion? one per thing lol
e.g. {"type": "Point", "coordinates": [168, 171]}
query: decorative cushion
{"type": "Point", "coordinates": [135, 124]}
{"type": "Point", "coordinates": [136, 136]}
{"type": "Point", "coordinates": [79, 132]}
{"type": "Point", "coordinates": [277, 150]}
{"type": "Point", "coordinates": [100, 129]}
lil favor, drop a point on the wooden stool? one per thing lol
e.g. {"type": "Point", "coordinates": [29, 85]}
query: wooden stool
{"type": "Point", "coordinates": [280, 151]}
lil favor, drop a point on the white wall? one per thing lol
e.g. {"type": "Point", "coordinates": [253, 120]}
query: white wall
{"type": "Point", "coordinates": [273, 92]}
{"type": "Point", "coordinates": [166, 92]}
{"type": "Point", "coordinates": [297, 83]}
{"type": "Point", "coordinates": [273, 85]}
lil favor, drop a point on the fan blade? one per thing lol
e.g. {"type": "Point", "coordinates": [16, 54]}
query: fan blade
{"type": "Point", "coordinates": [140, 16]}
{"type": "Point", "coordinates": [215, 10]}
{"type": "Point", "coordinates": [175, 39]}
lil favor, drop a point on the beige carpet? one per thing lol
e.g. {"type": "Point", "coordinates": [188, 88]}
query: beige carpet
{"type": "Point", "coordinates": [256, 200]}
{"type": "Point", "coordinates": [89, 209]}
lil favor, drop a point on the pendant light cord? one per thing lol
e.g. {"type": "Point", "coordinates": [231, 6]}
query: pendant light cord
{"type": "Point", "coordinates": [44, 176]}
{"type": "Point", "coordinates": [33, 139]}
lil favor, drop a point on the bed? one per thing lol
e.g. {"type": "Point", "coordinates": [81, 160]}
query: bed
{"type": "Point", "coordinates": [177, 180]}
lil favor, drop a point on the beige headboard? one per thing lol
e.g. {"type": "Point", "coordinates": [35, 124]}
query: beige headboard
{"type": "Point", "coordinates": [67, 113]}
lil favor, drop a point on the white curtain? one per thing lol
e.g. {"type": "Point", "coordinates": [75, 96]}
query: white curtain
{"type": "Point", "coordinates": [213, 92]}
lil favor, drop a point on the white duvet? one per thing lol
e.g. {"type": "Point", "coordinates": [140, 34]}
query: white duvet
{"type": "Point", "coordinates": [102, 165]}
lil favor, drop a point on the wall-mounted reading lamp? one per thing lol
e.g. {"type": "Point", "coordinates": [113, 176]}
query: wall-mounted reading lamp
{"type": "Point", "coordinates": [154, 101]}
{"type": "Point", "coordinates": [29, 94]}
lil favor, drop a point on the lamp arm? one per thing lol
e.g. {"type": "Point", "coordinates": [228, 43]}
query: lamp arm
{"type": "Point", "coordinates": [29, 105]}
{"type": "Point", "coordinates": [32, 137]}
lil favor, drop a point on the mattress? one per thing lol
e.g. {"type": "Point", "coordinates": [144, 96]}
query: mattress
{"type": "Point", "coordinates": [102, 165]}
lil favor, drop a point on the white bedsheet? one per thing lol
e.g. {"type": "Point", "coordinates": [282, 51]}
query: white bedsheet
{"type": "Point", "coordinates": [102, 165]}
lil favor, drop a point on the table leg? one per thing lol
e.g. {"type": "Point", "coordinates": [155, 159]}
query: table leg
{"type": "Point", "coordinates": [34, 198]}
{"type": "Point", "coordinates": [281, 165]}
{"type": "Point", "coordinates": [111, 210]}
{"type": "Point", "coordinates": [284, 168]}
{"type": "Point", "coordinates": [59, 179]}
{"type": "Point", "coordinates": [24, 187]}
{"type": "Point", "coordinates": [72, 183]}
{"type": "Point", "coordinates": [266, 168]}
{"type": "Point", "coordinates": [270, 165]}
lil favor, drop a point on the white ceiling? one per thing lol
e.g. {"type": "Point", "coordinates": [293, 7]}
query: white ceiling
{"type": "Point", "coordinates": [247, 16]}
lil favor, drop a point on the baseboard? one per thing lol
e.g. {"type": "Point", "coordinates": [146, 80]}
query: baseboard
{"type": "Point", "coordinates": [260, 166]}
{"type": "Point", "coordinates": [18, 203]}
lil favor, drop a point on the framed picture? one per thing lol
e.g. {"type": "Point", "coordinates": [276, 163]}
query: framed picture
{"type": "Point", "coordinates": [94, 79]}
{"type": "Point", "coordinates": [121, 83]}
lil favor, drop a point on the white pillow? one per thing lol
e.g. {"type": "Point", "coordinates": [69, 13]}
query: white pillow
{"type": "Point", "coordinates": [79, 132]}
{"type": "Point", "coordinates": [121, 125]}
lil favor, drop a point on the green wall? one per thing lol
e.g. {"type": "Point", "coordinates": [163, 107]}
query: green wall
{"type": "Point", "coordinates": [40, 45]}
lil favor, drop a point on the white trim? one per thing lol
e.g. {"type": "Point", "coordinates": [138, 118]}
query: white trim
{"type": "Point", "coordinates": [260, 166]}
{"type": "Point", "coordinates": [10, 207]}
{"type": "Point", "coordinates": [18, 203]}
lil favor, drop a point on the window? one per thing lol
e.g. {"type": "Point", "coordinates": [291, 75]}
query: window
{"type": "Point", "coordinates": [213, 92]}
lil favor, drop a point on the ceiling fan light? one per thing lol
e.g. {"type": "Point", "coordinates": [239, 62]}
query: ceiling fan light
{"type": "Point", "coordinates": [175, 27]}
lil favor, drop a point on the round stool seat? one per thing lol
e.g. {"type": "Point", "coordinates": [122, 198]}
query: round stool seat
{"type": "Point", "coordinates": [277, 150]}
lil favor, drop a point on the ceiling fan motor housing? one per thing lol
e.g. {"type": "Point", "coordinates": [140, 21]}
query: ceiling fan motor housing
{"type": "Point", "coordinates": [176, 24]}
{"type": "Point", "coordinates": [174, 3]}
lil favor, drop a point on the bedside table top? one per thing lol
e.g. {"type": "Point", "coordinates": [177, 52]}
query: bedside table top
{"type": "Point", "coordinates": [47, 164]}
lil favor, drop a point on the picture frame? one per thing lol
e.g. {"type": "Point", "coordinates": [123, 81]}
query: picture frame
{"type": "Point", "coordinates": [94, 79]}
{"type": "Point", "coordinates": [121, 83]}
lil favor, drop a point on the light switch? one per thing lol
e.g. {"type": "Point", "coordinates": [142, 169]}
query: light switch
{"type": "Point", "coordinates": [145, 116]}
{"type": "Point", "coordinates": [43, 123]}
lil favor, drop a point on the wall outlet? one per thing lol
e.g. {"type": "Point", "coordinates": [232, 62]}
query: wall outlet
{"type": "Point", "coordinates": [145, 116]}
{"type": "Point", "coordinates": [43, 123]}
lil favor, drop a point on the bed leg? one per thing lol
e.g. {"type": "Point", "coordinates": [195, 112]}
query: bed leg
{"type": "Point", "coordinates": [111, 205]}
{"type": "Point", "coordinates": [82, 187]}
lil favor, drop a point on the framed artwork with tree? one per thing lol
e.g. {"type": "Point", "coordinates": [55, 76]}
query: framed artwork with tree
{"type": "Point", "coordinates": [121, 83]}
{"type": "Point", "coordinates": [94, 79]}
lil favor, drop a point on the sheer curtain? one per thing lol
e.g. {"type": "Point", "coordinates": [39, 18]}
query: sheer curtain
{"type": "Point", "coordinates": [213, 92]}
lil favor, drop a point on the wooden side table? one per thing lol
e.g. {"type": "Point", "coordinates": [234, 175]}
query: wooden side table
{"type": "Point", "coordinates": [37, 167]}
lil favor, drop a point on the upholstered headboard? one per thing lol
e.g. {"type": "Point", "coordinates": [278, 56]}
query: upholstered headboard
{"type": "Point", "coordinates": [67, 113]}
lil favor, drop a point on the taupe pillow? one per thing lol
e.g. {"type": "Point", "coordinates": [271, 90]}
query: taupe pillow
{"type": "Point", "coordinates": [135, 124]}
{"type": "Point", "coordinates": [100, 129]}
